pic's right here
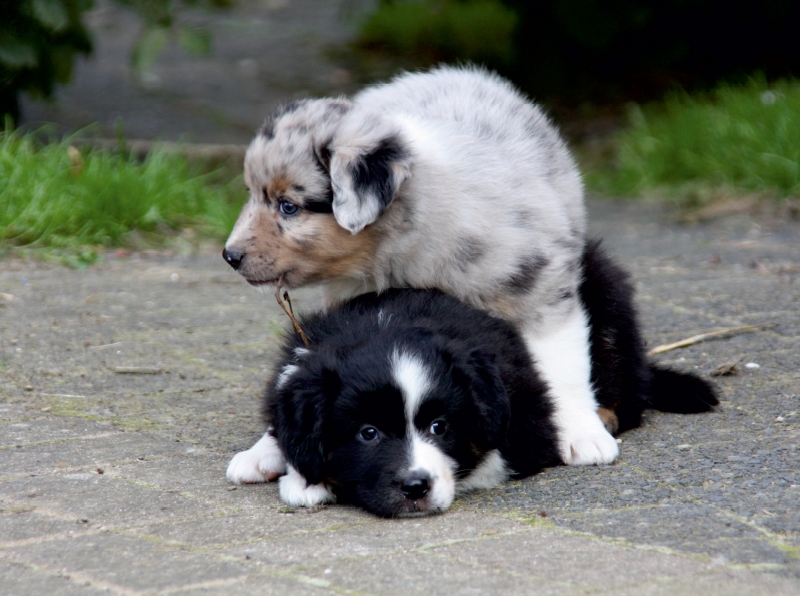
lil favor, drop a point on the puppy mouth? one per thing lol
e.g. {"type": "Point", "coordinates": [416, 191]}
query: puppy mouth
{"type": "Point", "coordinates": [270, 281]}
{"type": "Point", "coordinates": [262, 282]}
{"type": "Point", "coordinates": [417, 508]}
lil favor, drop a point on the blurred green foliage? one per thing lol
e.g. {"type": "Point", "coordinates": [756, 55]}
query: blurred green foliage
{"type": "Point", "coordinates": [38, 42]}
{"type": "Point", "coordinates": [163, 26]}
{"type": "Point", "coordinates": [735, 136]}
{"type": "Point", "coordinates": [67, 202]}
{"type": "Point", "coordinates": [431, 31]}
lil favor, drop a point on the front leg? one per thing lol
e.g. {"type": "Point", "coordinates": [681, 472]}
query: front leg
{"type": "Point", "coordinates": [562, 357]}
{"type": "Point", "coordinates": [263, 462]}
{"type": "Point", "coordinates": [297, 492]}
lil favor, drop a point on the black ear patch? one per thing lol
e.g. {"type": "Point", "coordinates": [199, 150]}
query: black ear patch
{"type": "Point", "coordinates": [300, 417]}
{"type": "Point", "coordinates": [366, 175]}
{"type": "Point", "coordinates": [372, 174]}
{"type": "Point", "coordinates": [480, 377]}
{"type": "Point", "coordinates": [322, 153]}
{"type": "Point", "coordinates": [490, 398]}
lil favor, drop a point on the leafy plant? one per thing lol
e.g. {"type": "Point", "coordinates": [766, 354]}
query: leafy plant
{"type": "Point", "coordinates": [162, 25]}
{"type": "Point", "coordinates": [38, 42]}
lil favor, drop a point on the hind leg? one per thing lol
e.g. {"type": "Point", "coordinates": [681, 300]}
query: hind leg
{"type": "Point", "coordinates": [561, 354]}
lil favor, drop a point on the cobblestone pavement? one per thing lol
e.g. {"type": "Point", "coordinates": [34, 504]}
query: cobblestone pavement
{"type": "Point", "coordinates": [115, 482]}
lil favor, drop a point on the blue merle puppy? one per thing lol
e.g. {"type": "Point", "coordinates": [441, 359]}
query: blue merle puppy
{"type": "Point", "coordinates": [448, 179]}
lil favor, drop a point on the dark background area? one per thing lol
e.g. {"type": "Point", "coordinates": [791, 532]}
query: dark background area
{"type": "Point", "coordinates": [610, 51]}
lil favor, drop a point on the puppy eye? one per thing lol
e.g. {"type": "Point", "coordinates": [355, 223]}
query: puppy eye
{"type": "Point", "coordinates": [288, 208]}
{"type": "Point", "coordinates": [368, 434]}
{"type": "Point", "coordinates": [438, 427]}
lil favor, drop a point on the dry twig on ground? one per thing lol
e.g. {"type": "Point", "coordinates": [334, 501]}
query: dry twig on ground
{"type": "Point", "coordinates": [695, 339]}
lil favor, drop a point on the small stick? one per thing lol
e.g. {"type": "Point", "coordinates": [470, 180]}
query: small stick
{"type": "Point", "coordinates": [104, 346]}
{"type": "Point", "coordinates": [138, 370]}
{"type": "Point", "coordinates": [289, 310]}
{"type": "Point", "coordinates": [696, 339]}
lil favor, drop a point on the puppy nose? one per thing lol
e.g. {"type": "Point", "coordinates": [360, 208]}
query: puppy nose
{"type": "Point", "coordinates": [232, 257]}
{"type": "Point", "coordinates": [415, 487]}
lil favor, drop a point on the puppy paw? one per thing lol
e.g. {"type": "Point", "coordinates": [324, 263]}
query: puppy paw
{"type": "Point", "coordinates": [297, 492]}
{"type": "Point", "coordinates": [595, 446]}
{"type": "Point", "coordinates": [263, 462]}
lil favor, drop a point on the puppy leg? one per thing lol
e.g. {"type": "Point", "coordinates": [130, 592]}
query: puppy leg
{"type": "Point", "coordinates": [561, 354]}
{"type": "Point", "coordinates": [263, 462]}
{"type": "Point", "coordinates": [297, 492]}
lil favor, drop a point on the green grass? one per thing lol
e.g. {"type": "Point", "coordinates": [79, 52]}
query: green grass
{"type": "Point", "coordinates": [429, 31]}
{"type": "Point", "coordinates": [745, 138]}
{"type": "Point", "coordinates": [69, 203]}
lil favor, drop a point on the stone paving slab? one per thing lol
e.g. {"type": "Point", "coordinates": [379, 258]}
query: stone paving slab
{"type": "Point", "coordinates": [695, 505]}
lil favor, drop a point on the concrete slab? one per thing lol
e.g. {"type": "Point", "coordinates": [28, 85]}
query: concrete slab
{"type": "Point", "coordinates": [696, 504]}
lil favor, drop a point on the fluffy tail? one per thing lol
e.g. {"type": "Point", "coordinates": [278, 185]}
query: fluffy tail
{"type": "Point", "coordinates": [681, 393]}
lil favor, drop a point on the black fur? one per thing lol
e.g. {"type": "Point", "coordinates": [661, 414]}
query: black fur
{"type": "Point", "coordinates": [485, 386]}
{"type": "Point", "coordinates": [621, 376]}
{"type": "Point", "coordinates": [372, 174]}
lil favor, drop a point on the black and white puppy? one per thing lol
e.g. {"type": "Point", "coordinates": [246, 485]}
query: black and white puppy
{"type": "Point", "coordinates": [406, 397]}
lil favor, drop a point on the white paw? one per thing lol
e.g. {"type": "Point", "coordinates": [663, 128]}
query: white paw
{"type": "Point", "coordinates": [263, 462]}
{"type": "Point", "coordinates": [297, 492]}
{"type": "Point", "coordinates": [587, 447]}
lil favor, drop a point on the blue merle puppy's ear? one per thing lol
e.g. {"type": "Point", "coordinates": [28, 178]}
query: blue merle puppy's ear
{"type": "Point", "coordinates": [368, 163]}
{"type": "Point", "coordinates": [480, 374]}
{"type": "Point", "coordinates": [299, 419]}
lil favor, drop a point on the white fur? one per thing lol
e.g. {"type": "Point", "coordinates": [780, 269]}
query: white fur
{"type": "Point", "coordinates": [425, 458]}
{"type": "Point", "coordinates": [491, 472]}
{"type": "Point", "coordinates": [286, 374]}
{"type": "Point", "coordinates": [413, 381]}
{"type": "Point", "coordinates": [383, 320]}
{"type": "Point", "coordinates": [297, 492]}
{"type": "Point", "coordinates": [263, 462]}
{"type": "Point", "coordinates": [428, 459]}
{"type": "Point", "coordinates": [562, 356]}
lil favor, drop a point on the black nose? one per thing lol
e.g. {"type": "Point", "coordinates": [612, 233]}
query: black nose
{"type": "Point", "coordinates": [415, 487]}
{"type": "Point", "coordinates": [232, 257]}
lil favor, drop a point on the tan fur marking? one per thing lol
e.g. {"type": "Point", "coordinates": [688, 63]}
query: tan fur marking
{"type": "Point", "coordinates": [341, 253]}
{"type": "Point", "coordinates": [278, 186]}
{"type": "Point", "coordinates": [507, 307]}
{"type": "Point", "coordinates": [609, 418]}
{"type": "Point", "coordinates": [312, 247]}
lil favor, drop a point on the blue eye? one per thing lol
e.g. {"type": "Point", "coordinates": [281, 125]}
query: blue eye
{"type": "Point", "coordinates": [288, 208]}
{"type": "Point", "coordinates": [438, 427]}
{"type": "Point", "coordinates": [368, 433]}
